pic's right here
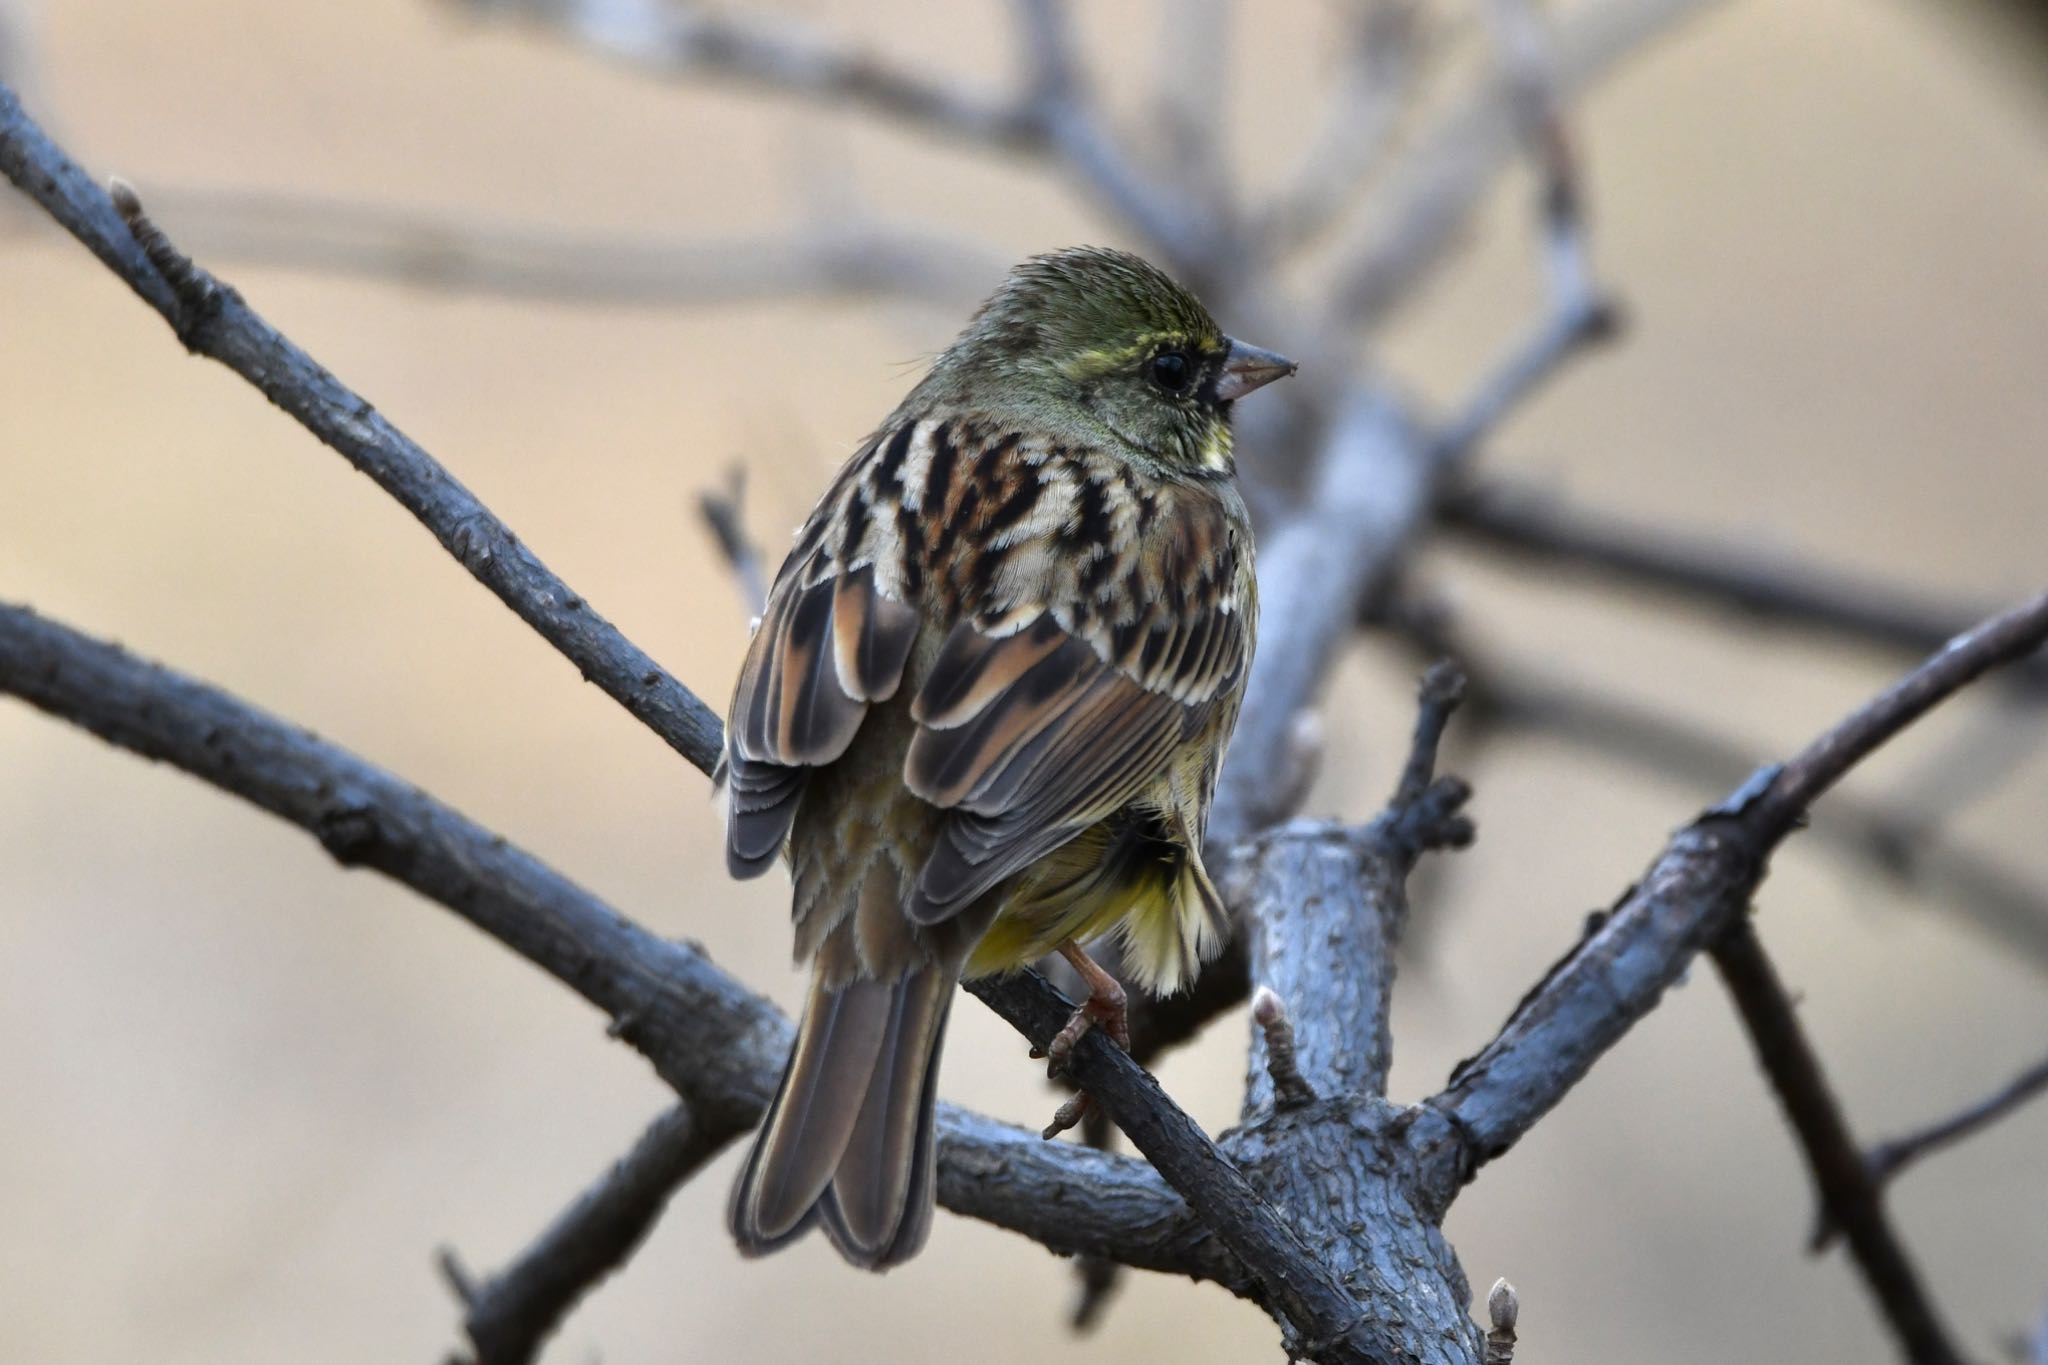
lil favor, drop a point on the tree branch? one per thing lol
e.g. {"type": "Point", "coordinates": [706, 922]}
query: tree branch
{"type": "Point", "coordinates": [1849, 1190]}
{"type": "Point", "coordinates": [715, 1042]}
{"type": "Point", "coordinates": [538, 264]}
{"type": "Point", "coordinates": [1902, 845]}
{"type": "Point", "coordinates": [1373, 487]}
{"type": "Point", "coordinates": [212, 320]}
{"type": "Point", "coordinates": [1888, 1159]}
{"type": "Point", "coordinates": [1440, 177]}
{"type": "Point", "coordinates": [723, 515]}
{"type": "Point", "coordinates": [1382, 49]}
{"type": "Point", "coordinates": [508, 1317]}
{"type": "Point", "coordinates": [1692, 893]}
{"type": "Point", "coordinates": [1519, 521]}
{"type": "Point", "coordinates": [1074, 127]}
{"type": "Point", "coordinates": [681, 40]}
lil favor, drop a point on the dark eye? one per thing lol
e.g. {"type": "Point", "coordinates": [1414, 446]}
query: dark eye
{"type": "Point", "coordinates": [1171, 372]}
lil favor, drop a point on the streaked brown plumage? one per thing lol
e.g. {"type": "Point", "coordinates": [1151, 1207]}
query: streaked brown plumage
{"type": "Point", "coordinates": [985, 708]}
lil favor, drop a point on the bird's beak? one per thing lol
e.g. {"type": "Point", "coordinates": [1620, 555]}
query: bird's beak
{"type": "Point", "coordinates": [1247, 367]}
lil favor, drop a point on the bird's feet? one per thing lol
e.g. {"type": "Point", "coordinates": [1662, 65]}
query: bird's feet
{"type": "Point", "coordinates": [1106, 1008]}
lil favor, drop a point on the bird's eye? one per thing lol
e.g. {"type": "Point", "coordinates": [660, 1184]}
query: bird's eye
{"type": "Point", "coordinates": [1171, 372]}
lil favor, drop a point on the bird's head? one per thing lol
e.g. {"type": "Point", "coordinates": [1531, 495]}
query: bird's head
{"type": "Point", "coordinates": [1099, 343]}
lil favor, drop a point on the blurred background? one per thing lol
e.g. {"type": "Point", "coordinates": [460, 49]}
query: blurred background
{"type": "Point", "coordinates": [247, 1095]}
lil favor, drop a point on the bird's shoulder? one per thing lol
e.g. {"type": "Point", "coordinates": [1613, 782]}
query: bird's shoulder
{"type": "Point", "coordinates": [970, 520]}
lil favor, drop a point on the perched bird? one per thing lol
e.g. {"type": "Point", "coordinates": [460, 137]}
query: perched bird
{"type": "Point", "coordinates": [984, 711]}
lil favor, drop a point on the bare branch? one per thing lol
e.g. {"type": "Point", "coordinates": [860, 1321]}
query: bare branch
{"type": "Point", "coordinates": [1579, 315]}
{"type": "Point", "coordinates": [1698, 887]}
{"type": "Point", "coordinates": [1970, 884]}
{"type": "Point", "coordinates": [212, 320]}
{"type": "Point", "coordinates": [1059, 98]}
{"type": "Point", "coordinates": [1905, 846]}
{"type": "Point", "coordinates": [1323, 907]}
{"type": "Point", "coordinates": [1294, 1283]}
{"type": "Point", "coordinates": [1443, 688]}
{"type": "Point", "coordinates": [722, 513]}
{"type": "Point", "coordinates": [1429, 192]}
{"type": "Point", "coordinates": [1888, 1159]}
{"type": "Point", "coordinates": [509, 1316]}
{"type": "Point", "coordinates": [680, 40]}
{"type": "Point", "coordinates": [715, 1042]}
{"type": "Point", "coordinates": [1503, 516]}
{"type": "Point", "coordinates": [2001, 640]}
{"type": "Point", "coordinates": [1373, 488]}
{"type": "Point", "coordinates": [1383, 47]}
{"type": "Point", "coordinates": [1847, 1186]}
{"type": "Point", "coordinates": [456, 255]}
{"type": "Point", "coordinates": [1193, 96]}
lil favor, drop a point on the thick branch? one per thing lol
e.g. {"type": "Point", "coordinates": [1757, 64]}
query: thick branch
{"type": "Point", "coordinates": [1323, 907]}
{"type": "Point", "coordinates": [717, 1043]}
{"type": "Point", "coordinates": [1687, 900]}
{"type": "Point", "coordinates": [1849, 1190]}
{"type": "Point", "coordinates": [510, 1315]}
{"type": "Point", "coordinates": [1373, 486]}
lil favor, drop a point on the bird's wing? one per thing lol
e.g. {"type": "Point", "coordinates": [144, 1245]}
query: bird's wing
{"type": "Point", "coordinates": [834, 638]}
{"type": "Point", "coordinates": [1033, 726]}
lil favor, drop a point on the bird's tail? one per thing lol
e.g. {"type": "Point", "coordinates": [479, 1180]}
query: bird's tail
{"type": "Point", "coordinates": [848, 1138]}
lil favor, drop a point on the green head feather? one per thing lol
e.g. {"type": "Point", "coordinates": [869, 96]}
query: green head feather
{"type": "Point", "coordinates": [1095, 345]}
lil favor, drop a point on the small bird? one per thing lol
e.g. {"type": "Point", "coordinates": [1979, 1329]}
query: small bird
{"type": "Point", "coordinates": [984, 711]}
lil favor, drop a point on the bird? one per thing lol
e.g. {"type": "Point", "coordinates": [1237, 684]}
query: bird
{"type": "Point", "coordinates": [982, 715]}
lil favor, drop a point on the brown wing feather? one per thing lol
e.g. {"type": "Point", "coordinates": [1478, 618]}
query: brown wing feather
{"type": "Point", "coordinates": [829, 645]}
{"type": "Point", "coordinates": [1031, 737]}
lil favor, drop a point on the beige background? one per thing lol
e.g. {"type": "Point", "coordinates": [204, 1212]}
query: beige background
{"type": "Point", "coordinates": [246, 1096]}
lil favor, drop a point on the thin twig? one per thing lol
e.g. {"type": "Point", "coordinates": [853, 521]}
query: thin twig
{"type": "Point", "coordinates": [1578, 315]}
{"type": "Point", "coordinates": [1293, 1282]}
{"type": "Point", "coordinates": [722, 512]}
{"type": "Point", "coordinates": [678, 40]}
{"type": "Point", "coordinates": [1383, 47]}
{"type": "Point", "coordinates": [1503, 1311]}
{"type": "Point", "coordinates": [1903, 846]}
{"type": "Point", "coordinates": [1058, 96]}
{"type": "Point", "coordinates": [1888, 1159]}
{"type": "Point", "coordinates": [2001, 640]}
{"type": "Point", "coordinates": [456, 255]}
{"type": "Point", "coordinates": [1764, 587]}
{"type": "Point", "coordinates": [1445, 169]}
{"type": "Point", "coordinates": [509, 1316]}
{"type": "Point", "coordinates": [1441, 691]}
{"type": "Point", "coordinates": [1290, 1089]}
{"type": "Point", "coordinates": [1848, 1188]}
{"type": "Point", "coordinates": [212, 320]}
